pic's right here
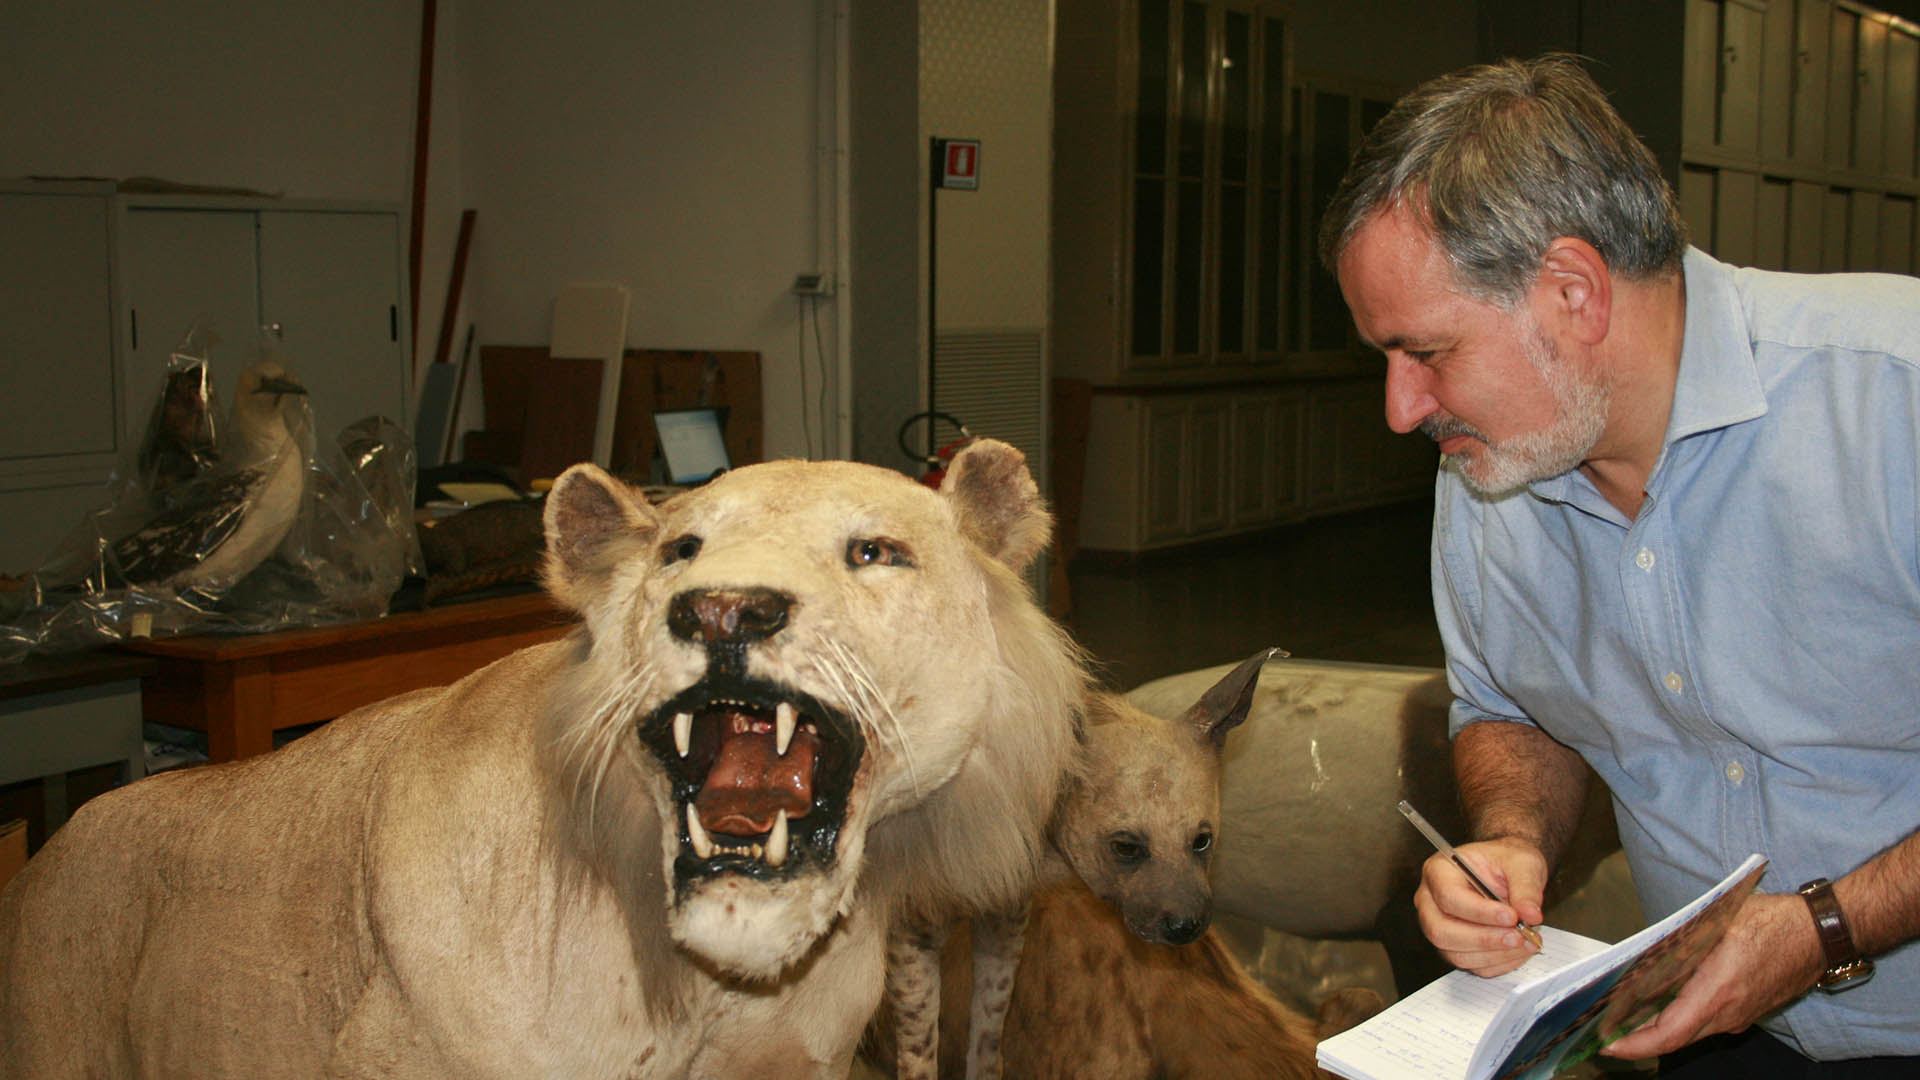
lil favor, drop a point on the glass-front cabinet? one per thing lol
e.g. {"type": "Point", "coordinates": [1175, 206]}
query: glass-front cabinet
{"type": "Point", "coordinates": [1226, 390]}
{"type": "Point", "coordinates": [1208, 188]}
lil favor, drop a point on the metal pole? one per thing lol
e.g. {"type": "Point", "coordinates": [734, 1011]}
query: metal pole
{"type": "Point", "coordinates": [936, 166]}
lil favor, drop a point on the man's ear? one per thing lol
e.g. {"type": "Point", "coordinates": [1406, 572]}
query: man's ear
{"type": "Point", "coordinates": [1575, 290]}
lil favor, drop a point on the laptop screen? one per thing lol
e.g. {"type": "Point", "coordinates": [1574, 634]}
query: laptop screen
{"type": "Point", "coordinates": [691, 443]}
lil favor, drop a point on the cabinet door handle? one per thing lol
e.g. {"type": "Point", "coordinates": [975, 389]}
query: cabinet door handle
{"type": "Point", "coordinates": [393, 322]}
{"type": "Point", "coordinates": [133, 327]}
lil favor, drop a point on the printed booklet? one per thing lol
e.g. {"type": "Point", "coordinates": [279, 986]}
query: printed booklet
{"type": "Point", "coordinates": [1558, 1009]}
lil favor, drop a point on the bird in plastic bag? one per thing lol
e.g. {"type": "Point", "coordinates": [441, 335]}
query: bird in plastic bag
{"type": "Point", "coordinates": [179, 444]}
{"type": "Point", "coordinates": [224, 523]}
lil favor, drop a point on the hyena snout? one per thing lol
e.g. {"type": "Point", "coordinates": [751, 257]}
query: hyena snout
{"type": "Point", "coordinates": [1164, 919]}
{"type": "Point", "coordinates": [728, 616]}
{"type": "Point", "coordinates": [1175, 928]}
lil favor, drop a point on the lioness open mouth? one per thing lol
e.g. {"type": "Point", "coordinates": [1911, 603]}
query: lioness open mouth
{"type": "Point", "coordinates": [760, 777]}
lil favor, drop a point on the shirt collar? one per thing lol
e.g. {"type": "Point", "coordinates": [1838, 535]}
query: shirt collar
{"type": "Point", "coordinates": [1718, 385]}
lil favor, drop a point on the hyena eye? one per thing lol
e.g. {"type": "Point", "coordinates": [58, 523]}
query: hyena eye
{"type": "Point", "coordinates": [1203, 843]}
{"type": "Point", "coordinates": [876, 551]}
{"type": "Point", "coordinates": [673, 551]}
{"type": "Point", "coordinates": [1126, 850]}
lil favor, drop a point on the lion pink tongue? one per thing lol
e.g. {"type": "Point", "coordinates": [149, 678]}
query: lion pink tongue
{"type": "Point", "coordinates": [749, 782]}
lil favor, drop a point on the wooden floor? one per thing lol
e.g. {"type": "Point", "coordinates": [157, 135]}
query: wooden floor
{"type": "Point", "coordinates": [1352, 587]}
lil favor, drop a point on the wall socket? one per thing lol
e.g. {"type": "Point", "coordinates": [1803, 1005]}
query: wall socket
{"type": "Point", "coordinates": [812, 284]}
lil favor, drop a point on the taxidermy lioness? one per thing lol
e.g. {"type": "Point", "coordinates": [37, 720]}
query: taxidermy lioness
{"type": "Point", "coordinates": [664, 847]}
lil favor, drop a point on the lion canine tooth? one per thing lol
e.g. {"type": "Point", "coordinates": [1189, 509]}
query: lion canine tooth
{"type": "Point", "coordinates": [777, 840]}
{"type": "Point", "coordinates": [702, 843]}
{"type": "Point", "coordinates": [682, 732]}
{"type": "Point", "coordinates": [784, 721]}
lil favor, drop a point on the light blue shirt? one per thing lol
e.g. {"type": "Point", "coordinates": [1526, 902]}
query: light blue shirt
{"type": "Point", "coordinates": [1741, 663]}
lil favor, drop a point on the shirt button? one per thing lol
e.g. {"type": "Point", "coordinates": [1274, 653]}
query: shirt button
{"type": "Point", "coordinates": [1735, 773]}
{"type": "Point", "coordinates": [1644, 560]}
{"type": "Point", "coordinates": [1673, 681]}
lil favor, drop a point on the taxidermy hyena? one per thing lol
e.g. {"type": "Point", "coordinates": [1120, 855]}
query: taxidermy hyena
{"type": "Point", "coordinates": [663, 847]}
{"type": "Point", "coordinates": [1136, 827]}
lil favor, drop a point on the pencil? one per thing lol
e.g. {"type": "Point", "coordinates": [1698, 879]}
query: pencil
{"type": "Point", "coordinates": [1440, 844]}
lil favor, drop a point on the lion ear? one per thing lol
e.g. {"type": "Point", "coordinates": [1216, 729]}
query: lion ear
{"type": "Point", "coordinates": [997, 503]}
{"type": "Point", "coordinates": [592, 521]}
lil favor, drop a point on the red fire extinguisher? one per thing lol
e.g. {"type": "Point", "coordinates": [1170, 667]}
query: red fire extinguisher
{"type": "Point", "coordinates": [937, 461]}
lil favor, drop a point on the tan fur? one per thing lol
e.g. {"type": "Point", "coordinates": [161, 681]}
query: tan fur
{"type": "Point", "coordinates": [1086, 988]}
{"type": "Point", "coordinates": [490, 879]}
{"type": "Point", "coordinates": [1093, 999]}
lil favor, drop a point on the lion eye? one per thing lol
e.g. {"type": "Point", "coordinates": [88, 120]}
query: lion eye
{"type": "Point", "coordinates": [876, 551]}
{"type": "Point", "coordinates": [673, 551]}
{"type": "Point", "coordinates": [1127, 851]}
{"type": "Point", "coordinates": [1203, 843]}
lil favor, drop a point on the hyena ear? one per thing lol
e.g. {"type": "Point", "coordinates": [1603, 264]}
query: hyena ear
{"type": "Point", "coordinates": [997, 503]}
{"type": "Point", "coordinates": [593, 522]}
{"type": "Point", "coordinates": [1225, 704]}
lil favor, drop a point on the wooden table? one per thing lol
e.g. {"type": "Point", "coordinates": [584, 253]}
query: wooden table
{"type": "Point", "coordinates": [241, 689]}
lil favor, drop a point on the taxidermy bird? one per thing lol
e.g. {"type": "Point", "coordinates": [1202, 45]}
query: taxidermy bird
{"type": "Point", "coordinates": [179, 446]}
{"type": "Point", "coordinates": [221, 525]}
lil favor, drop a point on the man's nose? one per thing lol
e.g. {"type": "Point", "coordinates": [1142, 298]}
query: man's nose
{"type": "Point", "coordinates": [1409, 398]}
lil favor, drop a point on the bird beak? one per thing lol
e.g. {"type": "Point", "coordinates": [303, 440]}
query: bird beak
{"type": "Point", "coordinates": [280, 384]}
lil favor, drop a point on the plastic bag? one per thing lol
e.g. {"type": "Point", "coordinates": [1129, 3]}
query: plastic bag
{"type": "Point", "coordinates": [245, 525]}
{"type": "Point", "coordinates": [179, 444]}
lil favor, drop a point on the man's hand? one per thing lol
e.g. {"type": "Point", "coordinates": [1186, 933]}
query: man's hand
{"type": "Point", "coordinates": [1474, 933]}
{"type": "Point", "coordinates": [1769, 956]}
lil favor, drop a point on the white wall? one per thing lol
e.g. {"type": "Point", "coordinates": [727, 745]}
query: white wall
{"type": "Point", "coordinates": [666, 146]}
{"type": "Point", "coordinates": [312, 100]}
{"type": "Point", "coordinates": [986, 70]}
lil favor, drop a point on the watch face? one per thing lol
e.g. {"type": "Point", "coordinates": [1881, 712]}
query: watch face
{"type": "Point", "coordinates": [1846, 976]}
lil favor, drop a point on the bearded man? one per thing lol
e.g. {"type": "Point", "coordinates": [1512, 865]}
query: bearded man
{"type": "Point", "coordinates": [1676, 536]}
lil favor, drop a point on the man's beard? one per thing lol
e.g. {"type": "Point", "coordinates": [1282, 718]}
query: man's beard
{"type": "Point", "coordinates": [1502, 468]}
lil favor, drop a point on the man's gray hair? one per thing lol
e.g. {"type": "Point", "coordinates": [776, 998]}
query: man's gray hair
{"type": "Point", "coordinates": [1502, 159]}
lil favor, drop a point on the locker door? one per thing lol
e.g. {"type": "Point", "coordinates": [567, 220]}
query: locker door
{"type": "Point", "coordinates": [331, 281]}
{"type": "Point", "coordinates": [180, 265]}
{"type": "Point", "coordinates": [1812, 52]}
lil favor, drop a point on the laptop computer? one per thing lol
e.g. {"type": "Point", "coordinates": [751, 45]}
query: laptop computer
{"type": "Point", "coordinates": [692, 444]}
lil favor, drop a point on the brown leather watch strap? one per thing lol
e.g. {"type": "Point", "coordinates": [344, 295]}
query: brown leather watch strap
{"type": "Point", "coordinates": [1846, 968]}
{"type": "Point", "coordinates": [1835, 940]}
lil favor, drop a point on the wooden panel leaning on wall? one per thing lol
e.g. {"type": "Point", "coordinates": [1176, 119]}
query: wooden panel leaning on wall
{"type": "Point", "coordinates": [520, 431]}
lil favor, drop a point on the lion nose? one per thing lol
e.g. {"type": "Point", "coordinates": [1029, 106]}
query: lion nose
{"type": "Point", "coordinates": [735, 616]}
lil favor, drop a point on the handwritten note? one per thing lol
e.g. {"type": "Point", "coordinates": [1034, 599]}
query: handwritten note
{"type": "Point", "coordinates": [1433, 1031]}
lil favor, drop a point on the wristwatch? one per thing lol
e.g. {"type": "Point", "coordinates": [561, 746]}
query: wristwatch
{"type": "Point", "coordinates": [1846, 968]}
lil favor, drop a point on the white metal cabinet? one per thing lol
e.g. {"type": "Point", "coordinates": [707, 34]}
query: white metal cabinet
{"type": "Point", "coordinates": [327, 277]}
{"type": "Point", "coordinates": [180, 265]}
{"type": "Point", "coordinates": [1203, 465]}
{"type": "Point", "coordinates": [59, 401]}
{"type": "Point", "coordinates": [54, 252]}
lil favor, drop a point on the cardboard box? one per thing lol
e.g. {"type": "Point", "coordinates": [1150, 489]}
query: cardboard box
{"type": "Point", "coordinates": [13, 850]}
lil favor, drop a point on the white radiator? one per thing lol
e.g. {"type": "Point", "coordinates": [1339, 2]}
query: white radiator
{"type": "Point", "coordinates": [995, 382]}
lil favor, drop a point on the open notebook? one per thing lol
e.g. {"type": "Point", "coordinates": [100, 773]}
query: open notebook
{"type": "Point", "coordinates": [1559, 1008]}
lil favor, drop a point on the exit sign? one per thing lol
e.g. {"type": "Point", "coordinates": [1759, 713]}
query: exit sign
{"type": "Point", "coordinates": [959, 162]}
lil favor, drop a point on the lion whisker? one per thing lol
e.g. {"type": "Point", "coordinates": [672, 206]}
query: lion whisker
{"type": "Point", "coordinates": [591, 746]}
{"type": "Point", "coordinates": [873, 704]}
